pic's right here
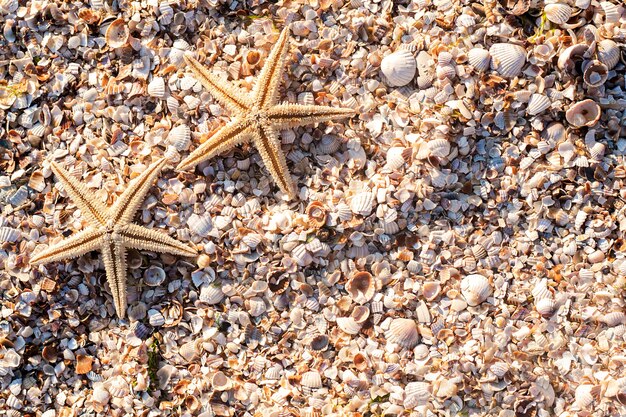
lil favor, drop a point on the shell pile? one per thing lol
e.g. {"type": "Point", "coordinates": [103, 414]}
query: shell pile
{"type": "Point", "coordinates": [456, 249]}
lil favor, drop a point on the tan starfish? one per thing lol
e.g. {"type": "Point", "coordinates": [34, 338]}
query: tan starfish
{"type": "Point", "coordinates": [258, 116]}
{"type": "Point", "coordinates": [111, 230]}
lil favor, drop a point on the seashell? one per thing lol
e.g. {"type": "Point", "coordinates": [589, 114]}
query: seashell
{"type": "Point", "coordinates": [154, 276]}
{"type": "Point", "coordinates": [439, 148]}
{"type": "Point", "coordinates": [583, 396]}
{"type": "Point", "coordinates": [155, 318]}
{"type": "Point", "coordinates": [317, 213]}
{"type": "Point", "coordinates": [100, 395]}
{"type": "Point", "coordinates": [515, 7]}
{"type": "Point", "coordinates": [558, 13]}
{"type": "Point", "coordinates": [583, 113]}
{"type": "Point", "coordinates": [507, 59]}
{"type": "Point", "coordinates": [499, 369]}
{"type": "Point", "coordinates": [362, 203]}
{"type": "Point", "coordinates": [180, 137]}
{"type": "Point", "coordinates": [611, 12]}
{"type": "Point", "coordinates": [445, 71]}
{"type": "Point", "coordinates": [256, 306]}
{"type": "Point", "coordinates": [319, 342]}
{"type": "Point", "coordinates": [137, 312]}
{"type": "Point", "coordinates": [329, 144]}
{"type": "Point", "coordinates": [8, 234]}
{"type": "Point", "coordinates": [399, 68]}
{"type": "Point", "coordinates": [19, 197]}
{"type": "Point", "coordinates": [50, 353]}
{"type": "Point", "coordinates": [595, 74]}
{"type": "Point", "coordinates": [200, 226]}
{"type": "Point", "coordinates": [9, 6]}
{"type": "Point", "coordinates": [541, 290]}
{"type": "Point", "coordinates": [220, 382]}
{"type": "Point", "coordinates": [537, 104]}
{"type": "Point", "coordinates": [397, 156]}
{"type": "Point", "coordinates": [613, 319]}
{"type": "Point", "coordinates": [608, 53]}
{"type": "Point", "coordinates": [311, 381]}
{"type": "Point", "coordinates": [361, 287]}
{"type": "Point", "coordinates": [156, 87]}
{"type": "Point", "coordinates": [554, 133]}
{"type": "Point", "coordinates": [37, 181]}
{"type": "Point", "coordinates": [117, 34]}
{"type": "Point", "coordinates": [211, 294]}
{"type": "Point", "coordinates": [84, 364]}
{"type": "Point", "coordinates": [348, 325]}
{"type": "Point", "coordinates": [475, 288]}
{"type": "Point", "coordinates": [597, 150]}
{"type": "Point", "coordinates": [190, 350]}
{"type": "Point", "coordinates": [416, 394]}
{"type": "Point", "coordinates": [570, 56]}
{"type": "Point", "coordinates": [479, 58]}
{"type": "Point", "coordinates": [546, 306]}
{"type": "Point", "coordinates": [140, 330]}
{"type": "Point", "coordinates": [360, 314]}
{"type": "Point", "coordinates": [431, 290]}
{"type": "Point", "coordinates": [403, 332]}
{"type": "Point", "coordinates": [596, 257]}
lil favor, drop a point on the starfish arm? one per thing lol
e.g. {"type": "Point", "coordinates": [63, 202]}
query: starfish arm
{"type": "Point", "coordinates": [284, 116]}
{"type": "Point", "coordinates": [114, 258]}
{"type": "Point", "coordinates": [92, 209]}
{"type": "Point", "coordinates": [266, 141]}
{"type": "Point", "coordinates": [229, 96]}
{"type": "Point", "coordinates": [131, 199]}
{"type": "Point", "coordinates": [231, 135]}
{"type": "Point", "coordinates": [138, 237]}
{"type": "Point", "coordinates": [266, 88]}
{"type": "Point", "coordinates": [74, 246]}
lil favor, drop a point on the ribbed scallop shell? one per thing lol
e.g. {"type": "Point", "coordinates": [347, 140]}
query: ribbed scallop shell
{"type": "Point", "coordinates": [608, 53]}
{"type": "Point", "coordinates": [596, 73]}
{"type": "Point", "coordinates": [558, 13]}
{"type": "Point", "coordinates": [190, 350]}
{"type": "Point", "coordinates": [311, 379]}
{"type": "Point", "coordinates": [200, 226]}
{"type": "Point", "coordinates": [211, 294]}
{"type": "Point", "coordinates": [155, 318]}
{"type": "Point", "coordinates": [154, 276]}
{"type": "Point", "coordinates": [361, 287]}
{"type": "Point", "coordinates": [117, 34]}
{"type": "Point", "coordinates": [403, 332]}
{"type": "Point", "coordinates": [328, 144]}
{"type": "Point", "coordinates": [8, 234]}
{"type": "Point", "coordinates": [611, 12]}
{"type": "Point", "coordinates": [416, 394]}
{"type": "Point", "coordinates": [508, 59]}
{"type": "Point", "coordinates": [397, 156]}
{"type": "Point", "coordinates": [156, 87]}
{"type": "Point", "coordinates": [362, 203]}
{"type": "Point", "coordinates": [180, 137]}
{"type": "Point", "coordinates": [348, 325]}
{"type": "Point", "coordinates": [545, 307]}
{"type": "Point", "coordinates": [541, 291]}
{"type": "Point", "coordinates": [537, 104]}
{"type": "Point", "coordinates": [439, 148]}
{"type": "Point", "coordinates": [554, 133]}
{"type": "Point", "coordinates": [479, 58]}
{"type": "Point", "coordinates": [475, 289]}
{"type": "Point", "coordinates": [614, 319]}
{"type": "Point", "coordinates": [399, 68]}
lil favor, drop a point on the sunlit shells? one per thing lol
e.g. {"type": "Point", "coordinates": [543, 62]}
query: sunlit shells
{"type": "Point", "coordinates": [156, 87]}
{"type": "Point", "coordinates": [221, 382]}
{"type": "Point", "coordinates": [154, 276]}
{"type": "Point", "coordinates": [583, 113]}
{"type": "Point", "coordinates": [439, 148]}
{"type": "Point", "coordinates": [554, 133]}
{"type": "Point", "coordinates": [348, 325]}
{"type": "Point", "coordinates": [8, 234]}
{"type": "Point", "coordinates": [545, 306]}
{"type": "Point", "coordinates": [608, 53]}
{"type": "Point", "coordinates": [403, 332]}
{"type": "Point", "coordinates": [117, 34]}
{"type": "Point", "coordinates": [558, 13]}
{"type": "Point", "coordinates": [190, 350]}
{"type": "Point", "coordinates": [317, 213]}
{"type": "Point", "coordinates": [397, 157]}
{"type": "Point", "coordinates": [362, 203]}
{"type": "Point", "coordinates": [537, 104]}
{"type": "Point", "coordinates": [595, 74]}
{"type": "Point", "coordinates": [211, 294]}
{"type": "Point", "coordinates": [479, 58]}
{"type": "Point", "coordinates": [611, 12]}
{"type": "Point", "coordinates": [180, 137]}
{"type": "Point", "coordinates": [319, 342]}
{"type": "Point", "coordinates": [399, 68]}
{"type": "Point", "coordinates": [83, 364]}
{"type": "Point", "coordinates": [361, 287]}
{"type": "Point", "coordinates": [508, 59]}
{"type": "Point", "coordinates": [155, 318]}
{"type": "Point", "coordinates": [475, 289]}
{"type": "Point", "coordinates": [200, 225]}
{"type": "Point", "coordinates": [614, 319]}
{"type": "Point", "coordinates": [311, 381]}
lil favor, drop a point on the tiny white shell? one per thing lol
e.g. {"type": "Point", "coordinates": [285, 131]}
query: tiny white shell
{"type": "Point", "coordinates": [538, 104]}
{"type": "Point", "coordinates": [595, 74]}
{"type": "Point", "coordinates": [554, 133]}
{"type": "Point", "coordinates": [546, 306]}
{"type": "Point", "coordinates": [8, 234]}
{"type": "Point", "coordinates": [416, 394]}
{"type": "Point", "coordinates": [403, 332]}
{"type": "Point", "coordinates": [475, 289]}
{"type": "Point", "coordinates": [399, 68]}
{"type": "Point", "coordinates": [156, 88]}
{"type": "Point", "coordinates": [311, 379]}
{"type": "Point", "coordinates": [508, 59]}
{"type": "Point", "coordinates": [439, 148]}
{"type": "Point", "coordinates": [479, 58]}
{"type": "Point", "coordinates": [614, 319]}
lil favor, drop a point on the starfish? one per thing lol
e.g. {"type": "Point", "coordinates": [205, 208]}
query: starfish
{"type": "Point", "coordinates": [258, 116]}
{"type": "Point", "coordinates": [111, 230]}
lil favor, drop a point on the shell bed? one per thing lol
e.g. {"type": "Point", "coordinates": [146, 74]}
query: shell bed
{"type": "Point", "coordinates": [455, 248]}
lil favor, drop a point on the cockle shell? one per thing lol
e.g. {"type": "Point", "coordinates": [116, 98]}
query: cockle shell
{"type": "Point", "coordinates": [403, 332]}
{"type": "Point", "coordinates": [211, 294]}
{"type": "Point", "coordinates": [156, 87]}
{"type": "Point", "coordinates": [608, 53]}
{"type": "Point", "coordinates": [439, 148]}
{"type": "Point", "coordinates": [220, 382]}
{"type": "Point", "coordinates": [431, 290]}
{"type": "Point", "coordinates": [200, 225]}
{"type": "Point", "coordinates": [399, 68]}
{"type": "Point", "coordinates": [154, 276]}
{"type": "Point", "coordinates": [180, 137]}
{"type": "Point", "coordinates": [611, 12]}
{"type": "Point", "coordinates": [614, 319]}
{"type": "Point", "coordinates": [362, 203]}
{"type": "Point", "coordinates": [545, 306]}
{"type": "Point", "coordinates": [479, 58]}
{"type": "Point", "coordinates": [155, 318]}
{"type": "Point", "coordinates": [348, 325]}
{"type": "Point", "coordinates": [117, 34]}
{"type": "Point", "coordinates": [537, 104]}
{"type": "Point", "coordinates": [8, 234]}
{"type": "Point", "coordinates": [595, 74]}
{"type": "Point", "coordinates": [558, 13]}
{"type": "Point", "coordinates": [397, 157]}
{"type": "Point", "coordinates": [583, 113]}
{"type": "Point", "coordinates": [554, 133]}
{"type": "Point", "coordinates": [475, 289]}
{"type": "Point", "coordinates": [329, 144]}
{"type": "Point", "coordinates": [416, 394]}
{"type": "Point", "coordinates": [508, 59]}
{"type": "Point", "coordinates": [361, 287]}
{"type": "Point", "coordinates": [311, 381]}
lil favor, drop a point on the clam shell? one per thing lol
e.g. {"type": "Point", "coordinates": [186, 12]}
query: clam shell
{"type": "Point", "coordinates": [83, 364]}
{"type": "Point", "coordinates": [583, 113]}
{"type": "Point", "coordinates": [117, 34]}
{"type": "Point", "coordinates": [403, 332]}
{"type": "Point", "coordinates": [397, 157]}
{"type": "Point", "coordinates": [595, 74]}
{"type": "Point", "coordinates": [537, 104]}
{"type": "Point", "coordinates": [319, 342]}
{"type": "Point", "coordinates": [311, 380]}
{"type": "Point", "coordinates": [348, 325]}
{"type": "Point", "coordinates": [399, 68]}
{"type": "Point", "coordinates": [611, 12]}
{"type": "Point", "coordinates": [439, 148]}
{"type": "Point", "coordinates": [180, 137]}
{"type": "Point", "coordinates": [190, 350]}
{"type": "Point", "coordinates": [200, 226]}
{"type": "Point", "coordinates": [416, 394]}
{"type": "Point", "coordinates": [362, 203]}
{"type": "Point", "coordinates": [558, 13]}
{"type": "Point", "coordinates": [546, 307]}
{"type": "Point", "coordinates": [361, 287]}
{"type": "Point", "coordinates": [8, 234]}
{"type": "Point", "coordinates": [475, 288]}
{"type": "Point", "coordinates": [431, 290]}
{"type": "Point", "coordinates": [156, 88]}
{"type": "Point", "coordinates": [507, 59]}
{"type": "Point", "coordinates": [211, 294]}
{"type": "Point", "coordinates": [329, 144]}
{"type": "Point", "coordinates": [154, 276]}
{"type": "Point", "coordinates": [220, 382]}
{"type": "Point", "coordinates": [608, 53]}
{"type": "Point", "coordinates": [479, 58]}
{"type": "Point", "coordinates": [554, 133]}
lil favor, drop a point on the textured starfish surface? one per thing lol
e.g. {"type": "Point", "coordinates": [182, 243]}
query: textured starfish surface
{"type": "Point", "coordinates": [111, 230]}
{"type": "Point", "coordinates": [257, 116]}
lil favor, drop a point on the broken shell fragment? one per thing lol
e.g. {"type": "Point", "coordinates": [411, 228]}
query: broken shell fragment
{"type": "Point", "coordinates": [595, 74]}
{"type": "Point", "coordinates": [361, 287]}
{"type": "Point", "coordinates": [117, 34]}
{"type": "Point", "coordinates": [583, 113]}
{"type": "Point", "coordinates": [154, 276]}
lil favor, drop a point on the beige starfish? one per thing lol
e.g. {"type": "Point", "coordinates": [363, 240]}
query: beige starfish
{"type": "Point", "coordinates": [258, 116]}
{"type": "Point", "coordinates": [111, 230]}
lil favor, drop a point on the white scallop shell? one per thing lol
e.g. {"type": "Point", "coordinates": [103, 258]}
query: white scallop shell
{"type": "Point", "coordinates": [155, 318]}
{"type": "Point", "coordinates": [608, 53]}
{"type": "Point", "coordinates": [100, 395]}
{"type": "Point", "coordinates": [8, 234]}
{"type": "Point", "coordinates": [597, 150]}
{"type": "Point", "coordinates": [611, 12]}
{"type": "Point", "coordinates": [362, 203]}
{"type": "Point", "coordinates": [554, 133]}
{"type": "Point", "coordinates": [439, 148]}
{"type": "Point", "coordinates": [200, 226]}
{"type": "Point", "coordinates": [545, 307]}
{"type": "Point", "coordinates": [499, 369]}
{"type": "Point", "coordinates": [537, 104]}
{"type": "Point", "coordinates": [180, 137]}
{"type": "Point", "coordinates": [416, 394]}
{"type": "Point", "coordinates": [583, 396]}
{"type": "Point", "coordinates": [397, 157]}
{"type": "Point", "coordinates": [211, 294]}
{"type": "Point", "coordinates": [311, 379]}
{"type": "Point", "coordinates": [403, 332]}
{"type": "Point", "coordinates": [154, 276]}
{"type": "Point", "coordinates": [348, 325]}
{"type": "Point", "coordinates": [445, 71]}
{"type": "Point", "coordinates": [399, 68]}
{"type": "Point", "coordinates": [558, 13]}
{"type": "Point", "coordinates": [508, 59]}
{"type": "Point", "coordinates": [479, 58]}
{"type": "Point", "coordinates": [475, 289]}
{"type": "Point", "coordinates": [614, 319]}
{"type": "Point", "coordinates": [156, 88]}
{"type": "Point", "coordinates": [541, 291]}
